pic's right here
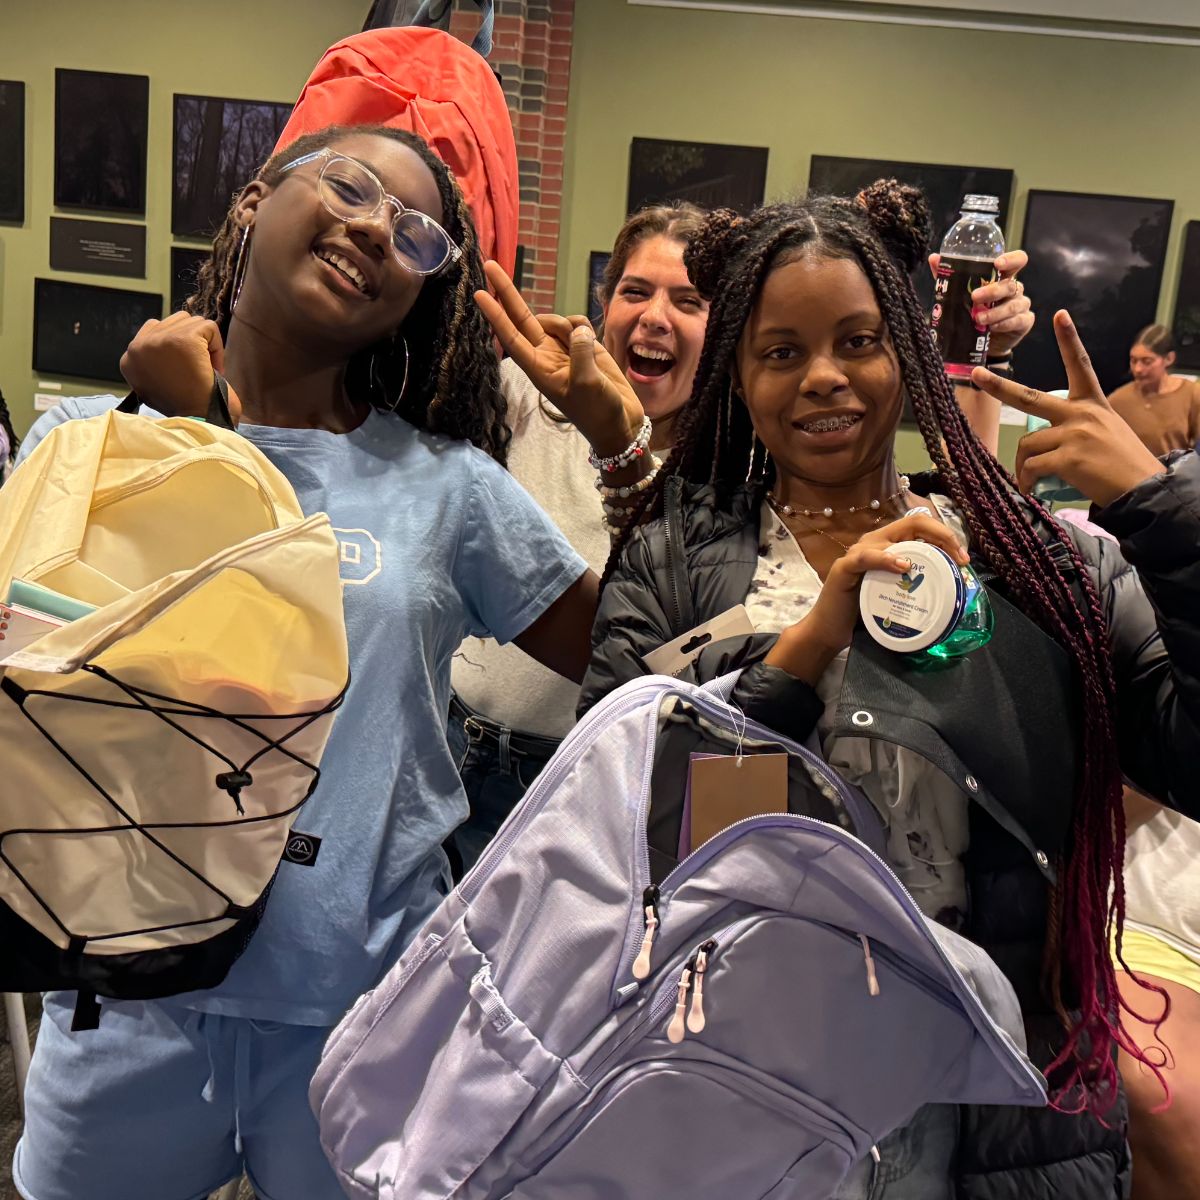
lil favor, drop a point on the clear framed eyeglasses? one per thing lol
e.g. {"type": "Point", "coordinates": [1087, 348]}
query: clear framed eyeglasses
{"type": "Point", "coordinates": [350, 190]}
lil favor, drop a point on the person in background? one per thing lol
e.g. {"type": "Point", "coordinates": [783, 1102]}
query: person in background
{"type": "Point", "coordinates": [508, 714]}
{"type": "Point", "coordinates": [1162, 409]}
{"type": "Point", "coordinates": [1161, 947]}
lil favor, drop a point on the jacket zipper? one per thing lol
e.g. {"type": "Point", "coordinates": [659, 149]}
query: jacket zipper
{"type": "Point", "coordinates": [673, 541]}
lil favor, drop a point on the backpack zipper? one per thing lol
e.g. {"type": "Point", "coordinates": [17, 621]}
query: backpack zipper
{"type": "Point", "coordinates": [641, 964]}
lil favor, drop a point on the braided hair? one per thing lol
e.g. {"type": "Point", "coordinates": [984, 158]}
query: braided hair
{"type": "Point", "coordinates": [10, 434]}
{"type": "Point", "coordinates": [453, 381]}
{"type": "Point", "coordinates": [886, 231]}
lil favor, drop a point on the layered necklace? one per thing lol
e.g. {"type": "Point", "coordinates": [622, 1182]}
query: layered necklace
{"type": "Point", "coordinates": [809, 515]}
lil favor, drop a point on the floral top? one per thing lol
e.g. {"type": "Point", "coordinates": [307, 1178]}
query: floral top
{"type": "Point", "coordinates": [925, 813]}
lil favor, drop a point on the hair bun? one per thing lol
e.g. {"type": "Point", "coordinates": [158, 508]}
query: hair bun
{"type": "Point", "coordinates": [899, 214]}
{"type": "Point", "coordinates": [710, 248]}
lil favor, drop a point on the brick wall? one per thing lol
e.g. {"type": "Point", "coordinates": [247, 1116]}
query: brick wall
{"type": "Point", "coordinates": [533, 55]}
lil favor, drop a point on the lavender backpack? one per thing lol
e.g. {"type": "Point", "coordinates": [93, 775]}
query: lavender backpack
{"type": "Point", "coordinates": [584, 1019]}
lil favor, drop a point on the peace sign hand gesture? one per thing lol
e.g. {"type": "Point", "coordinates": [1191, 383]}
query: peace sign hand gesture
{"type": "Point", "coordinates": [567, 365]}
{"type": "Point", "coordinates": [1086, 443]}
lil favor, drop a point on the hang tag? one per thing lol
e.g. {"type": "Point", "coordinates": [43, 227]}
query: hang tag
{"type": "Point", "coordinates": [675, 657]}
{"type": "Point", "coordinates": [725, 789]}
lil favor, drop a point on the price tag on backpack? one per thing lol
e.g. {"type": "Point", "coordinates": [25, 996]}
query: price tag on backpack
{"type": "Point", "coordinates": [675, 657]}
{"type": "Point", "coordinates": [725, 789]}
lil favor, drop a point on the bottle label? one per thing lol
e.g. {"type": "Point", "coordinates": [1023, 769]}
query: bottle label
{"type": "Point", "coordinates": [961, 340]}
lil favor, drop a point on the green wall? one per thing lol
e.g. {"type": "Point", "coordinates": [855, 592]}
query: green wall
{"type": "Point", "coordinates": [1064, 113]}
{"type": "Point", "coordinates": [255, 50]}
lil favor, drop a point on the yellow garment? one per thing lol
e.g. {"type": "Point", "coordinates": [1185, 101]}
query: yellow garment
{"type": "Point", "coordinates": [1146, 954]}
{"type": "Point", "coordinates": [214, 593]}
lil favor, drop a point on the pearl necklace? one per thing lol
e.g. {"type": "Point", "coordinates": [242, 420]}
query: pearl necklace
{"type": "Point", "coordinates": [874, 506]}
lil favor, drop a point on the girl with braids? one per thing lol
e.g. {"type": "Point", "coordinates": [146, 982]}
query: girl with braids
{"type": "Point", "coordinates": [9, 442]}
{"type": "Point", "coordinates": [508, 713]}
{"type": "Point", "coordinates": [782, 491]}
{"type": "Point", "coordinates": [338, 304]}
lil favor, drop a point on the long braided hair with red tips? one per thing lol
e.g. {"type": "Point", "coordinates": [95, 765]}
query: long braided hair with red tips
{"type": "Point", "coordinates": [886, 231]}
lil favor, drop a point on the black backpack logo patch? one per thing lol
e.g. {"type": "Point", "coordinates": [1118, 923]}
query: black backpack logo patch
{"type": "Point", "coordinates": [302, 849]}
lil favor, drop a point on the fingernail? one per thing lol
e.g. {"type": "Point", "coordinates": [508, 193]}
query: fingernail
{"type": "Point", "coordinates": [583, 333]}
{"type": "Point", "coordinates": [904, 563]}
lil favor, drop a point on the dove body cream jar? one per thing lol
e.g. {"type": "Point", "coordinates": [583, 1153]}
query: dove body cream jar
{"type": "Point", "coordinates": [936, 607]}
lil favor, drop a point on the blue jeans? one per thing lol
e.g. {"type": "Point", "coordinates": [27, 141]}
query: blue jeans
{"type": "Point", "coordinates": [916, 1162]}
{"type": "Point", "coordinates": [497, 766]}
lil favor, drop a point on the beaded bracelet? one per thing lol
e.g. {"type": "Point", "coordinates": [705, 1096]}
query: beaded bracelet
{"type": "Point", "coordinates": [618, 510]}
{"type": "Point", "coordinates": [633, 489]}
{"type": "Point", "coordinates": [631, 453]}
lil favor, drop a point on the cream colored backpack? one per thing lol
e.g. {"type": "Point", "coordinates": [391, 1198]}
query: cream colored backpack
{"type": "Point", "coordinates": [155, 750]}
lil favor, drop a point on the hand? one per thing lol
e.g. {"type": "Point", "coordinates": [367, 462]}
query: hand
{"type": "Point", "coordinates": [1007, 311]}
{"type": "Point", "coordinates": [567, 365]}
{"type": "Point", "coordinates": [170, 365]}
{"type": "Point", "coordinates": [1086, 444]}
{"type": "Point", "coordinates": [809, 646]}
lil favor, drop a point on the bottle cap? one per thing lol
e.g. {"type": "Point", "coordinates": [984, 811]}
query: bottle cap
{"type": "Point", "coordinates": [974, 202]}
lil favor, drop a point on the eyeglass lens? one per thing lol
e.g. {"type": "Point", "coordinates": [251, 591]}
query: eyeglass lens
{"type": "Point", "coordinates": [349, 191]}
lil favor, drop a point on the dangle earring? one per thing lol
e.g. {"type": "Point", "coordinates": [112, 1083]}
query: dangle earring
{"type": "Point", "coordinates": [378, 383]}
{"type": "Point", "coordinates": [240, 264]}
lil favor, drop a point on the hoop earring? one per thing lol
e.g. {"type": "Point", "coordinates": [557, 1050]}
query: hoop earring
{"type": "Point", "coordinates": [240, 264]}
{"type": "Point", "coordinates": [378, 383]}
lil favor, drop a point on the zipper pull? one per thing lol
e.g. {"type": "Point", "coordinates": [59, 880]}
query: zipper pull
{"type": "Point", "coordinates": [641, 964]}
{"type": "Point", "coordinates": [676, 1031]}
{"type": "Point", "coordinates": [695, 1021]}
{"type": "Point", "coordinates": [872, 981]}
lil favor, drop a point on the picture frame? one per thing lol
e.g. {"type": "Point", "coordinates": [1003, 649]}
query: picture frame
{"type": "Point", "coordinates": [101, 120]}
{"type": "Point", "coordinates": [708, 174]}
{"type": "Point", "coordinates": [1186, 322]}
{"type": "Point", "coordinates": [944, 185]}
{"type": "Point", "coordinates": [597, 263]}
{"type": "Point", "coordinates": [218, 146]}
{"type": "Point", "coordinates": [1101, 257]}
{"type": "Point", "coordinates": [185, 263]}
{"type": "Point", "coordinates": [12, 151]}
{"type": "Point", "coordinates": [81, 331]}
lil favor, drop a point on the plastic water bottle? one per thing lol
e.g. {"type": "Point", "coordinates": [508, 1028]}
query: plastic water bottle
{"type": "Point", "coordinates": [968, 259]}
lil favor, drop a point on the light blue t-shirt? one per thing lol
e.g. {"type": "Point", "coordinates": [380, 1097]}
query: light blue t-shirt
{"type": "Point", "coordinates": [437, 543]}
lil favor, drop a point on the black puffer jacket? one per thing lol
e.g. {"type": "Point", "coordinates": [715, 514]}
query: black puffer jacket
{"type": "Point", "coordinates": [1016, 764]}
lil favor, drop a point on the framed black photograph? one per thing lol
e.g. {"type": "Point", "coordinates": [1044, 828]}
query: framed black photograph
{"type": "Point", "coordinates": [12, 151]}
{"type": "Point", "coordinates": [82, 331]}
{"type": "Point", "coordinates": [100, 124]}
{"type": "Point", "coordinates": [597, 262]}
{"type": "Point", "coordinates": [944, 187]}
{"type": "Point", "coordinates": [218, 148]}
{"type": "Point", "coordinates": [1187, 302]}
{"type": "Point", "coordinates": [1100, 257]}
{"type": "Point", "coordinates": [704, 173]}
{"type": "Point", "coordinates": [185, 265]}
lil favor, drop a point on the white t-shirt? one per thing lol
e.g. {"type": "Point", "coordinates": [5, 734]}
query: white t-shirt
{"type": "Point", "coordinates": [1162, 881]}
{"type": "Point", "coordinates": [549, 459]}
{"type": "Point", "coordinates": [925, 813]}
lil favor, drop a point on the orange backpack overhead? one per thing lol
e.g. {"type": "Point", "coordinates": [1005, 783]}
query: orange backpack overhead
{"type": "Point", "coordinates": [428, 82]}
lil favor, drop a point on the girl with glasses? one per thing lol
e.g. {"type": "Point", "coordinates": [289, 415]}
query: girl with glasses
{"type": "Point", "coordinates": [338, 303]}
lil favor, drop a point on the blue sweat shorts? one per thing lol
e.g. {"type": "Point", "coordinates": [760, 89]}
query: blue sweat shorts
{"type": "Point", "coordinates": [164, 1102]}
